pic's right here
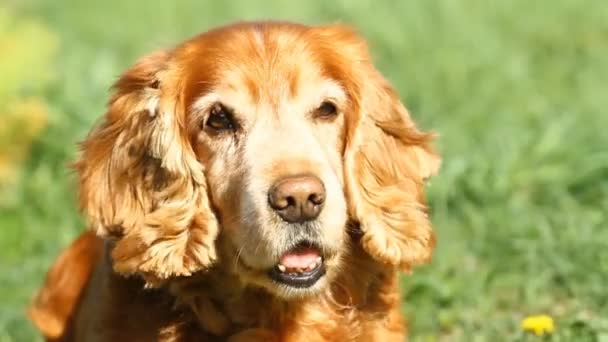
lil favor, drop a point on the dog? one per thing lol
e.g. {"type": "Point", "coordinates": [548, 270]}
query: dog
{"type": "Point", "coordinates": [261, 181]}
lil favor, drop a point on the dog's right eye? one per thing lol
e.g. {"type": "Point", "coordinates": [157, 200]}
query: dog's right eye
{"type": "Point", "coordinates": [220, 119]}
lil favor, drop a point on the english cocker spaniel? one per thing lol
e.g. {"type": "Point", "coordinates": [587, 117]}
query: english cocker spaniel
{"type": "Point", "coordinates": [258, 182]}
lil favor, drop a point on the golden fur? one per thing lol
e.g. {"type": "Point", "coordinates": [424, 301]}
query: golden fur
{"type": "Point", "coordinates": [185, 230]}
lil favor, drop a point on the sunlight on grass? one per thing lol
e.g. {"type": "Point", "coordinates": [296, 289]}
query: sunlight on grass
{"type": "Point", "coordinates": [26, 49]}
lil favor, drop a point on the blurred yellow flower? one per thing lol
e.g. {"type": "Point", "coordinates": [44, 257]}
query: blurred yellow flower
{"type": "Point", "coordinates": [20, 125]}
{"type": "Point", "coordinates": [539, 325]}
{"type": "Point", "coordinates": [27, 50]}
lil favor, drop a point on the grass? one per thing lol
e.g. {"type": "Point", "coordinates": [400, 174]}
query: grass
{"type": "Point", "coordinates": [517, 90]}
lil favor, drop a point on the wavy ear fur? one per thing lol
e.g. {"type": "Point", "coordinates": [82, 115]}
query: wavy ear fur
{"type": "Point", "coordinates": [140, 181]}
{"type": "Point", "coordinates": [387, 161]}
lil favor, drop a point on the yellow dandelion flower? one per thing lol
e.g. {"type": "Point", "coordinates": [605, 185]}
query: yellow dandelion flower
{"type": "Point", "coordinates": [539, 325]}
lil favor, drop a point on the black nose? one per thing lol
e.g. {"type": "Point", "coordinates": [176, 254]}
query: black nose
{"type": "Point", "coordinates": [297, 198]}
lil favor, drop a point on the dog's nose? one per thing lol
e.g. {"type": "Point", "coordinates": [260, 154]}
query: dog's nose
{"type": "Point", "coordinates": [297, 198]}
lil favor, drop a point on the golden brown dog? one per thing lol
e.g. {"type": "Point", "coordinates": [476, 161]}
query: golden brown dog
{"type": "Point", "coordinates": [259, 182]}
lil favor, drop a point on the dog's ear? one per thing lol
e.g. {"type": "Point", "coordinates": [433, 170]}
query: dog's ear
{"type": "Point", "coordinates": [140, 181]}
{"type": "Point", "coordinates": [57, 301]}
{"type": "Point", "coordinates": [387, 163]}
{"type": "Point", "coordinates": [387, 160]}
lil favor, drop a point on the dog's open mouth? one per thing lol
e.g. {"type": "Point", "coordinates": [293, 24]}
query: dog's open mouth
{"type": "Point", "coordinates": [300, 267]}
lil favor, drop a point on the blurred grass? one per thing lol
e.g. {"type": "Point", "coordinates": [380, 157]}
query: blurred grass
{"type": "Point", "coordinates": [26, 50]}
{"type": "Point", "coordinates": [517, 90]}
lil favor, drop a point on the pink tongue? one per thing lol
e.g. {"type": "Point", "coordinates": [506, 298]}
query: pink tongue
{"type": "Point", "coordinates": [300, 258]}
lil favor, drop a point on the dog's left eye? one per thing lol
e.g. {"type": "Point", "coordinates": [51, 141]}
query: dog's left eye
{"type": "Point", "coordinates": [220, 118]}
{"type": "Point", "coordinates": [326, 110]}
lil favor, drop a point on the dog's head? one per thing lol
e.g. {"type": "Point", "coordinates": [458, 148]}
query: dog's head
{"type": "Point", "coordinates": [251, 147]}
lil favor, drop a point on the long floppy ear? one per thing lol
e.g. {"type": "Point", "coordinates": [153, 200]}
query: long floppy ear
{"type": "Point", "coordinates": [387, 161]}
{"type": "Point", "coordinates": [140, 181]}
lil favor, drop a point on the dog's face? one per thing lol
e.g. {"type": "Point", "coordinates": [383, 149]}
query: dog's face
{"type": "Point", "coordinates": [261, 141]}
{"type": "Point", "coordinates": [268, 128]}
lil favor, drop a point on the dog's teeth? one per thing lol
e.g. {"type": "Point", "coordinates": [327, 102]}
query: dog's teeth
{"type": "Point", "coordinates": [282, 268]}
{"type": "Point", "coordinates": [312, 266]}
{"type": "Point", "coordinates": [319, 259]}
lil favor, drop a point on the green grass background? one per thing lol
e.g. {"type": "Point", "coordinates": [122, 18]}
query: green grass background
{"type": "Point", "coordinates": [518, 91]}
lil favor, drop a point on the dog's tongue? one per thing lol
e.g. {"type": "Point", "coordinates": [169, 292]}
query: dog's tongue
{"type": "Point", "coordinates": [299, 258]}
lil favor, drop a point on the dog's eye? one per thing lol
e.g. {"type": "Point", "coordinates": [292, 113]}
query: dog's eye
{"type": "Point", "coordinates": [220, 118]}
{"type": "Point", "coordinates": [326, 110]}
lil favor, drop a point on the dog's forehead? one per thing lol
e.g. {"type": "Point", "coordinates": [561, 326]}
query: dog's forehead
{"type": "Point", "coordinates": [254, 65]}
